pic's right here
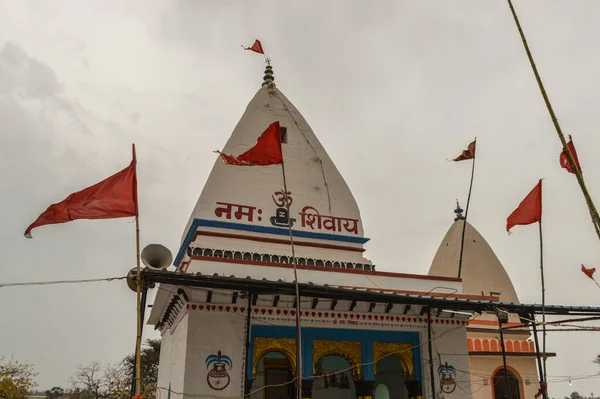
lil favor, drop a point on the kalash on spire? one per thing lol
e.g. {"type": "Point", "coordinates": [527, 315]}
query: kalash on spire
{"type": "Point", "coordinates": [220, 336]}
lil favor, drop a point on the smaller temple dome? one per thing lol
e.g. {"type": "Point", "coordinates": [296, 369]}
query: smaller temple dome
{"type": "Point", "coordinates": [482, 272]}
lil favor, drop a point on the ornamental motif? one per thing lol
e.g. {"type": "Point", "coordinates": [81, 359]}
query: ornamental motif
{"type": "Point", "coordinates": [262, 346]}
{"type": "Point", "coordinates": [349, 350]}
{"type": "Point", "coordinates": [447, 376]}
{"type": "Point", "coordinates": [401, 351]}
{"type": "Point", "coordinates": [218, 378]}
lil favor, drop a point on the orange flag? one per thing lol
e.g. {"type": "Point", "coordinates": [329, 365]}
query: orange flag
{"type": "Point", "coordinates": [114, 197]}
{"type": "Point", "coordinates": [469, 153]}
{"type": "Point", "coordinates": [564, 161]}
{"type": "Point", "coordinates": [256, 47]}
{"type": "Point", "coordinates": [267, 150]}
{"type": "Point", "coordinates": [588, 272]}
{"type": "Point", "coordinates": [529, 210]}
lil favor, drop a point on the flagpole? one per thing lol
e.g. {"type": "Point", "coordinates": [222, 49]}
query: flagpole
{"type": "Point", "coordinates": [295, 263]}
{"type": "Point", "coordinates": [462, 240]}
{"type": "Point", "coordinates": [138, 341]}
{"type": "Point", "coordinates": [543, 296]}
{"type": "Point", "coordinates": [503, 355]}
{"type": "Point", "coordinates": [592, 208]}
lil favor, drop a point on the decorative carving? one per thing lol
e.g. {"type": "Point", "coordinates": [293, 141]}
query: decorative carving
{"type": "Point", "coordinates": [349, 350]}
{"type": "Point", "coordinates": [272, 258]}
{"type": "Point", "coordinates": [262, 346]}
{"type": "Point", "coordinates": [398, 350]}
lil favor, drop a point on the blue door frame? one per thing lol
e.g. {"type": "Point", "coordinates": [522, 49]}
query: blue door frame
{"type": "Point", "coordinates": [365, 337]}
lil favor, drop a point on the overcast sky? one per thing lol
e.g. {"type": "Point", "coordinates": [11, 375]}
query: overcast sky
{"type": "Point", "coordinates": [392, 90]}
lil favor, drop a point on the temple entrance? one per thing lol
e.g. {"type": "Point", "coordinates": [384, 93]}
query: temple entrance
{"type": "Point", "coordinates": [500, 384]}
{"type": "Point", "coordinates": [389, 380]}
{"type": "Point", "coordinates": [335, 383]}
{"type": "Point", "coordinates": [273, 369]}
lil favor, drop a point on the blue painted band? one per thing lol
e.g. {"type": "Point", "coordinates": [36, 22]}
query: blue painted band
{"type": "Point", "coordinates": [258, 229]}
{"type": "Point", "coordinates": [365, 337]}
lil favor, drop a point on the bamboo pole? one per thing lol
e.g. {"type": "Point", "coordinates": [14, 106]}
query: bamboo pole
{"type": "Point", "coordinates": [591, 207]}
{"type": "Point", "coordinates": [543, 297]}
{"type": "Point", "coordinates": [539, 360]}
{"type": "Point", "coordinates": [462, 240]}
{"type": "Point", "coordinates": [295, 263]}
{"type": "Point", "coordinates": [138, 341]}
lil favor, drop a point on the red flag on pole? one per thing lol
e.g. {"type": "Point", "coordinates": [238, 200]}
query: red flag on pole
{"type": "Point", "coordinates": [114, 197]}
{"type": "Point", "coordinates": [469, 153]}
{"type": "Point", "coordinates": [564, 161]}
{"type": "Point", "coordinates": [256, 47]}
{"type": "Point", "coordinates": [267, 150]}
{"type": "Point", "coordinates": [529, 210]}
{"type": "Point", "coordinates": [588, 272]}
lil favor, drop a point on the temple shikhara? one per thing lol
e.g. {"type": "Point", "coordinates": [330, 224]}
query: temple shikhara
{"type": "Point", "coordinates": [228, 315]}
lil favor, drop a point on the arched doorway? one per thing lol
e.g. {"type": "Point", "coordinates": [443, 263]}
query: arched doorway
{"type": "Point", "coordinates": [390, 375]}
{"type": "Point", "coordinates": [499, 384]}
{"type": "Point", "coordinates": [273, 369]}
{"type": "Point", "coordinates": [337, 381]}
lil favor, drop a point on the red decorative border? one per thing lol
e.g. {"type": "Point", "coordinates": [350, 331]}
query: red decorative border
{"type": "Point", "coordinates": [326, 315]}
{"type": "Point", "coordinates": [275, 241]}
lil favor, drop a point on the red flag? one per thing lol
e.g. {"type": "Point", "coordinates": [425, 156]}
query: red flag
{"type": "Point", "coordinates": [588, 272]}
{"type": "Point", "coordinates": [256, 47]}
{"type": "Point", "coordinates": [267, 150]}
{"type": "Point", "coordinates": [564, 161]}
{"type": "Point", "coordinates": [469, 153]}
{"type": "Point", "coordinates": [529, 210]}
{"type": "Point", "coordinates": [114, 197]}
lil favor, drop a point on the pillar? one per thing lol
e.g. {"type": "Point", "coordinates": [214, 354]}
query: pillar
{"type": "Point", "coordinates": [307, 386]}
{"type": "Point", "coordinates": [414, 388]}
{"type": "Point", "coordinates": [248, 387]}
{"type": "Point", "coordinates": [364, 389]}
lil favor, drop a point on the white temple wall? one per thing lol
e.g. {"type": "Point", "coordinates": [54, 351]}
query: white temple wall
{"type": "Point", "coordinates": [485, 366]}
{"type": "Point", "coordinates": [206, 370]}
{"type": "Point", "coordinates": [171, 368]}
{"type": "Point", "coordinates": [449, 345]}
{"type": "Point", "coordinates": [312, 177]}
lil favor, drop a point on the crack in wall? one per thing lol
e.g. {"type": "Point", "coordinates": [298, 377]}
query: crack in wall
{"type": "Point", "coordinates": [318, 158]}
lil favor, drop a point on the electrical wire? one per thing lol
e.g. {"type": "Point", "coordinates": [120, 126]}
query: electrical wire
{"type": "Point", "coordinates": [55, 282]}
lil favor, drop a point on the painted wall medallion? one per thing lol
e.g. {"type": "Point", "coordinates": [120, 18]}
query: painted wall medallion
{"type": "Point", "coordinates": [447, 376]}
{"type": "Point", "coordinates": [283, 201]}
{"type": "Point", "coordinates": [218, 378]}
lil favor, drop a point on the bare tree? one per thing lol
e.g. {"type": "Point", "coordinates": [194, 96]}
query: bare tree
{"type": "Point", "coordinates": [87, 383]}
{"type": "Point", "coordinates": [96, 382]}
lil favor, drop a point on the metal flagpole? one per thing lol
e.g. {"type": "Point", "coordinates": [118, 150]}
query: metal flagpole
{"type": "Point", "coordinates": [504, 358]}
{"type": "Point", "coordinates": [462, 240]}
{"type": "Point", "coordinates": [295, 263]}
{"type": "Point", "coordinates": [430, 350]}
{"type": "Point", "coordinates": [588, 198]}
{"type": "Point", "coordinates": [248, 327]}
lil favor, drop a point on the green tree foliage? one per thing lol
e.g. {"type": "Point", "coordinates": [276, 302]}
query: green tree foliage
{"type": "Point", "coordinates": [16, 379]}
{"type": "Point", "coordinates": [54, 393]}
{"type": "Point", "coordinates": [149, 356]}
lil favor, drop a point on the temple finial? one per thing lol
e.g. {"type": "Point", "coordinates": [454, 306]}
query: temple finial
{"type": "Point", "coordinates": [268, 78]}
{"type": "Point", "coordinates": [458, 212]}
